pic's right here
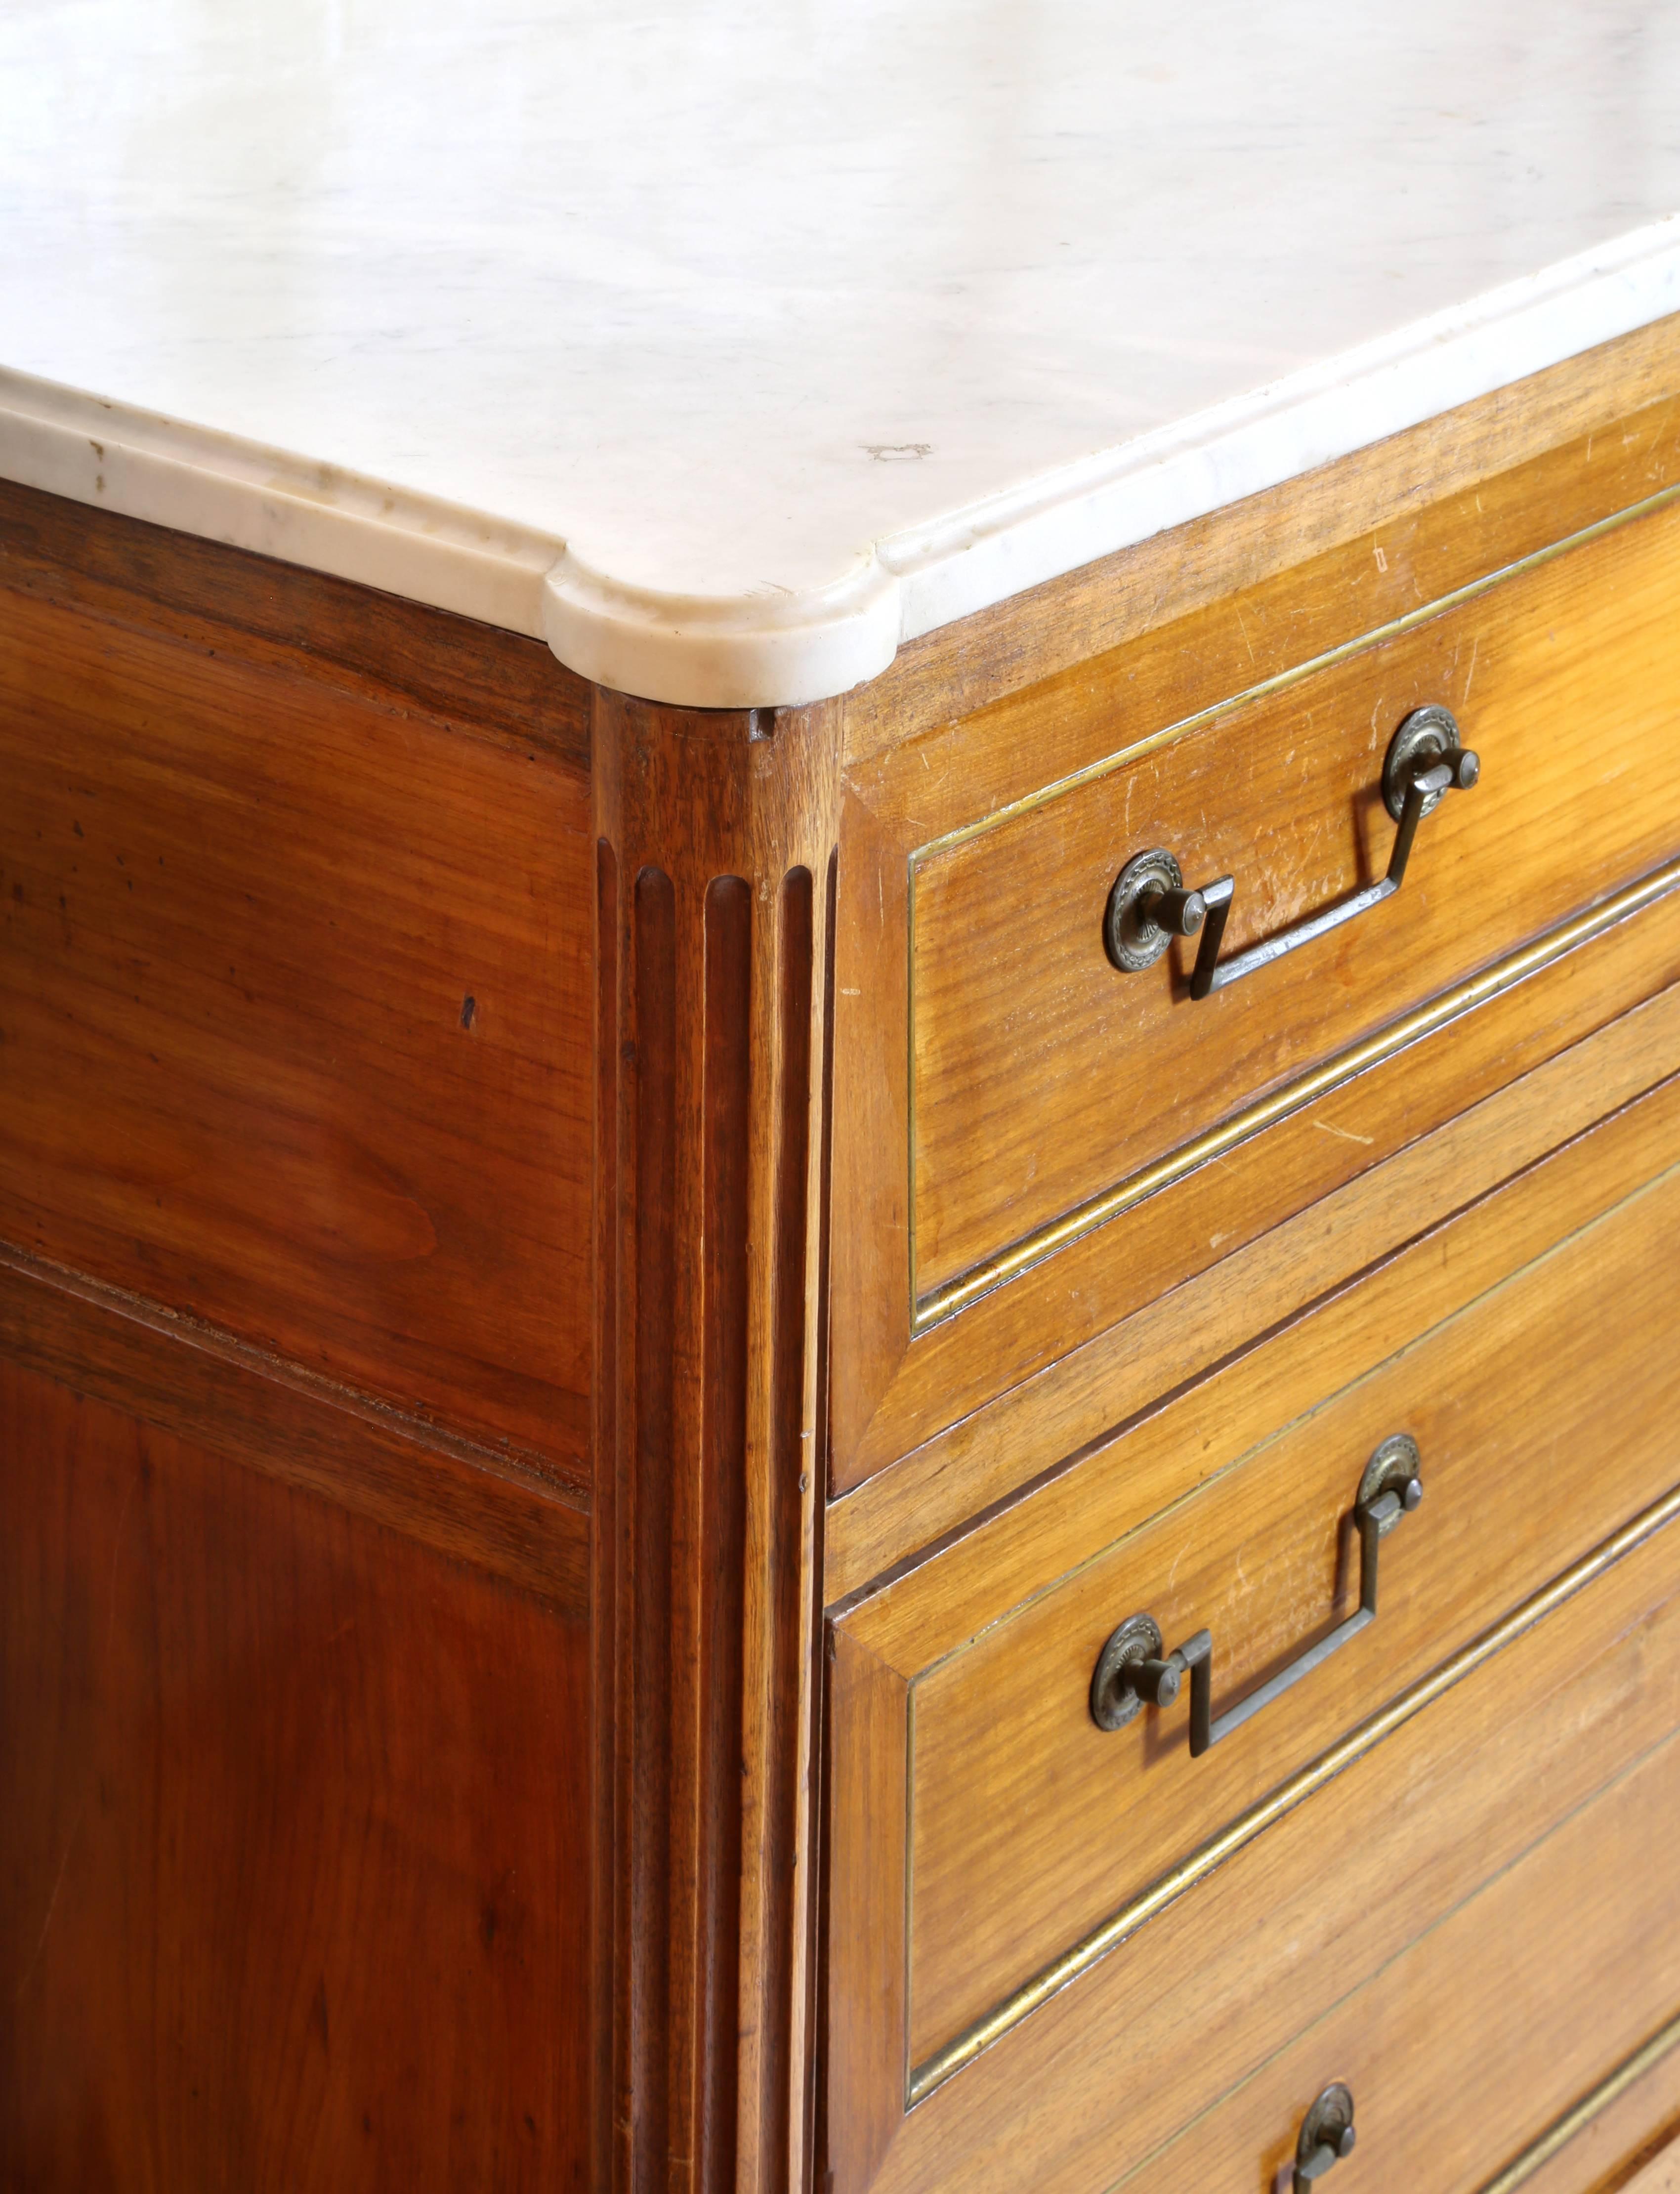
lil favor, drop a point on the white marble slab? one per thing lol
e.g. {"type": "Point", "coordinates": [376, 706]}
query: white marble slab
{"type": "Point", "coordinates": [729, 343]}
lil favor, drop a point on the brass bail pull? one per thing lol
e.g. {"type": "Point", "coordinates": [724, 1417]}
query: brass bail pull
{"type": "Point", "coordinates": [1149, 904]}
{"type": "Point", "coordinates": [1132, 1671]}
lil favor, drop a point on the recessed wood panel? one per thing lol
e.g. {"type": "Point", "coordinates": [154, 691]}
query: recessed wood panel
{"type": "Point", "coordinates": [1043, 1078]}
{"type": "Point", "coordinates": [295, 999]}
{"type": "Point", "coordinates": [294, 1884]}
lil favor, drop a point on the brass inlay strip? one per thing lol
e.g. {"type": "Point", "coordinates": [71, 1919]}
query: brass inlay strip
{"type": "Point", "coordinates": [942, 1302]}
{"type": "Point", "coordinates": [1464, 998]}
{"type": "Point", "coordinates": [938, 2068]}
{"type": "Point", "coordinates": [1563, 2131]}
{"type": "Point", "coordinates": [1282, 679]}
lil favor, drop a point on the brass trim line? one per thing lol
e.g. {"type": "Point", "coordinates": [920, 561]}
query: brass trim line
{"type": "Point", "coordinates": [925, 2077]}
{"type": "Point", "coordinates": [1464, 998]}
{"type": "Point", "coordinates": [1282, 679]}
{"type": "Point", "coordinates": [1563, 2131]}
{"type": "Point", "coordinates": [927, 1311]}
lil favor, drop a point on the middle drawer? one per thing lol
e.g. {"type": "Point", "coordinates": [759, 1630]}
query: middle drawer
{"type": "Point", "coordinates": [1542, 1418]}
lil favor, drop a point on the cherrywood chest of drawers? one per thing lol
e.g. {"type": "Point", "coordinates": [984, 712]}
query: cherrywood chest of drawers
{"type": "Point", "coordinates": [887, 1445]}
{"type": "Point", "coordinates": [1253, 1407]}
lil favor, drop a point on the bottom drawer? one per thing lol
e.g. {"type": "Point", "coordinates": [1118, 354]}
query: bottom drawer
{"type": "Point", "coordinates": [1501, 2018]}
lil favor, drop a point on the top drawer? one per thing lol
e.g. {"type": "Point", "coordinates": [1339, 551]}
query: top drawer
{"type": "Point", "coordinates": [1051, 1089]}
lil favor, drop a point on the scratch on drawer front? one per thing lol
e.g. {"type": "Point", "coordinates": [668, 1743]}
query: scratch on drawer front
{"type": "Point", "coordinates": [1346, 1134]}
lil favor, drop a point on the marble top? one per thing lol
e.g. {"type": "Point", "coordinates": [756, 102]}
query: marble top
{"type": "Point", "coordinates": [727, 343]}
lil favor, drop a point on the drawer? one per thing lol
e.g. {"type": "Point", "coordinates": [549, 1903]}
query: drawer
{"type": "Point", "coordinates": [1029, 1841]}
{"type": "Point", "coordinates": [1053, 1090]}
{"type": "Point", "coordinates": [1120, 2070]}
{"type": "Point", "coordinates": [1518, 2009]}
{"type": "Point", "coordinates": [1537, 1419]}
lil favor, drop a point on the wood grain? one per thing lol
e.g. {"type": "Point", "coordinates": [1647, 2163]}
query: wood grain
{"type": "Point", "coordinates": [1455, 2049]}
{"type": "Point", "coordinates": [295, 1888]}
{"type": "Point", "coordinates": [420, 1063]}
{"type": "Point", "coordinates": [1661, 2175]}
{"type": "Point", "coordinates": [1630, 2125]}
{"type": "Point", "coordinates": [933, 1608]}
{"type": "Point", "coordinates": [712, 829]}
{"type": "Point", "coordinates": [469, 1502]}
{"type": "Point", "coordinates": [1205, 1995]}
{"type": "Point", "coordinates": [1039, 1429]}
{"type": "Point", "coordinates": [294, 996]}
{"type": "Point", "coordinates": [932, 1612]}
{"type": "Point", "coordinates": [1544, 1416]}
{"type": "Point", "coordinates": [1043, 1078]}
{"type": "Point", "coordinates": [865, 2066]}
{"type": "Point", "coordinates": [411, 659]}
{"type": "Point", "coordinates": [891, 1393]}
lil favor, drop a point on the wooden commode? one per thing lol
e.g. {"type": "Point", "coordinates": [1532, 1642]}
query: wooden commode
{"type": "Point", "coordinates": [839, 1352]}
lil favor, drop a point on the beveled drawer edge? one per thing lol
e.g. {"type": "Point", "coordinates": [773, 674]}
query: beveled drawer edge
{"type": "Point", "coordinates": [1562, 2131]}
{"type": "Point", "coordinates": [1202, 1150]}
{"type": "Point", "coordinates": [922, 2080]}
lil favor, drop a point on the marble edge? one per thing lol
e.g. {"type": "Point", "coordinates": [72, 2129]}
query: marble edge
{"type": "Point", "coordinates": [777, 649]}
{"type": "Point", "coordinates": [1288, 428]}
{"type": "Point", "coordinates": [223, 488]}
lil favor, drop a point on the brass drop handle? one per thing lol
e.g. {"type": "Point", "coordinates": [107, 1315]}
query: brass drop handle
{"type": "Point", "coordinates": [1149, 906]}
{"type": "Point", "coordinates": [1326, 2135]}
{"type": "Point", "coordinates": [1132, 1671]}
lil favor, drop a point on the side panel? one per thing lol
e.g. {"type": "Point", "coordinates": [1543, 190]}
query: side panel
{"type": "Point", "coordinates": [295, 1857]}
{"type": "Point", "coordinates": [296, 1120]}
{"type": "Point", "coordinates": [295, 971]}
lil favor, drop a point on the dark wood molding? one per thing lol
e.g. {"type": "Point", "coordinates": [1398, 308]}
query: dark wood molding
{"type": "Point", "coordinates": [290, 1423]}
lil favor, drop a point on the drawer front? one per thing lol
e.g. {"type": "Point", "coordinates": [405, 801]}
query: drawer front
{"type": "Point", "coordinates": [1537, 1419]}
{"type": "Point", "coordinates": [1521, 2003]}
{"type": "Point", "coordinates": [1420, 1835]}
{"type": "Point", "coordinates": [1050, 1089]}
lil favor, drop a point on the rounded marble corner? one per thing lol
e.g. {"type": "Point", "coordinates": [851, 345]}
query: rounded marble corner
{"type": "Point", "coordinates": [765, 650]}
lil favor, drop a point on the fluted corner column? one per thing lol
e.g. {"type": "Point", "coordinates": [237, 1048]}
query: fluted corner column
{"type": "Point", "coordinates": [716, 865]}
